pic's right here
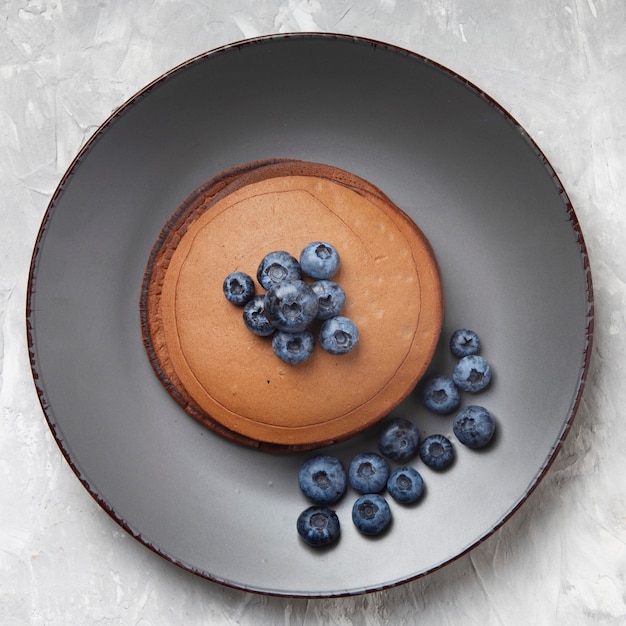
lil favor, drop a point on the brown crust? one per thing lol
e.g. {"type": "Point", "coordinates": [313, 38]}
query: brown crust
{"type": "Point", "coordinates": [167, 318]}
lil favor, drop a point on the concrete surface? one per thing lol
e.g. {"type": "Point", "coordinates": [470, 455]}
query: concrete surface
{"type": "Point", "coordinates": [558, 66]}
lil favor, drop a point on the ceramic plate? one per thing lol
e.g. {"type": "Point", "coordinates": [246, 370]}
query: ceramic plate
{"type": "Point", "coordinates": [513, 266]}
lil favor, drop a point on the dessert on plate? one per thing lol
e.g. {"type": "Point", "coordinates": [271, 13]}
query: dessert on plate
{"type": "Point", "coordinates": [228, 378]}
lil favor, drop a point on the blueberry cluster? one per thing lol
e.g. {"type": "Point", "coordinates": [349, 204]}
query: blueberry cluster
{"type": "Point", "coordinates": [324, 480]}
{"type": "Point", "coordinates": [473, 425]}
{"type": "Point", "coordinates": [290, 306]}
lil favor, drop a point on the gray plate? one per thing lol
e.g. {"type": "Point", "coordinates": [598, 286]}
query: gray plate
{"type": "Point", "coordinates": [513, 265]}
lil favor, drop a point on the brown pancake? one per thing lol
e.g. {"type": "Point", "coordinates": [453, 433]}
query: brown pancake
{"type": "Point", "coordinates": [229, 379]}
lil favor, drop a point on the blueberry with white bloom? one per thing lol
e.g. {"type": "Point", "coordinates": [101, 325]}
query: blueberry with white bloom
{"type": "Point", "coordinates": [276, 267]}
{"type": "Point", "coordinates": [293, 348]}
{"type": "Point", "coordinates": [318, 526]}
{"type": "Point", "coordinates": [330, 297]}
{"type": "Point", "coordinates": [368, 472]}
{"type": "Point", "coordinates": [238, 288]}
{"type": "Point", "coordinates": [437, 451]}
{"type": "Point", "coordinates": [474, 426]}
{"type": "Point", "coordinates": [319, 259]}
{"type": "Point", "coordinates": [441, 395]}
{"type": "Point", "coordinates": [472, 373]}
{"type": "Point", "coordinates": [255, 319]}
{"type": "Point", "coordinates": [464, 342]}
{"type": "Point", "coordinates": [339, 335]}
{"type": "Point", "coordinates": [371, 514]}
{"type": "Point", "coordinates": [399, 440]}
{"type": "Point", "coordinates": [405, 485]}
{"type": "Point", "coordinates": [291, 305]}
{"type": "Point", "coordinates": [322, 479]}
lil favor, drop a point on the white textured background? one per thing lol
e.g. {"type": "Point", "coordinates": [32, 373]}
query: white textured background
{"type": "Point", "coordinates": [558, 66]}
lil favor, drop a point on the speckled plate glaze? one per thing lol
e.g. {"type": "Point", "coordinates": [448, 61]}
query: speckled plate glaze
{"type": "Point", "coordinates": [513, 266]}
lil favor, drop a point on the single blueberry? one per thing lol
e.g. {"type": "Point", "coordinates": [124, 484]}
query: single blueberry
{"type": "Point", "coordinates": [368, 472]}
{"type": "Point", "coordinates": [255, 319]}
{"type": "Point", "coordinates": [238, 288]}
{"type": "Point", "coordinates": [405, 485]}
{"type": "Point", "coordinates": [472, 373]}
{"type": "Point", "coordinates": [441, 395]}
{"type": "Point", "coordinates": [399, 440]}
{"type": "Point", "coordinates": [474, 426]}
{"type": "Point", "coordinates": [322, 479]}
{"type": "Point", "coordinates": [464, 342]}
{"type": "Point", "coordinates": [437, 451]}
{"type": "Point", "coordinates": [319, 259]}
{"type": "Point", "coordinates": [293, 348]}
{"type": "Point", "coordinates": [371, 514]}
{"type": "Point", "coordinates": [339, 335]}
{"type": "Point", "coordinates": [291, 305]}
{"type": "Point", "coordinates": [276, 267]}
{"type": "Point", "coordinates": [331, 298]}
{"type": "Point", "coordinates": [318, 526]}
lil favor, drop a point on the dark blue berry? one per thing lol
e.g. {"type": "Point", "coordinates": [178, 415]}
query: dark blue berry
{"type": "Point", "coordinates": [322, 479]}
{"type": "Point", "coordinates": [293, 348]}
{"type": "Point", "coordinates": [319, 259]}
{"type": "Point", "coordinates": [437, 451]}
{"type": "Point", "coordinates": [238, 288]}
{"type": "Point", "coordinates": [472, 373]}
{"type": "Point", "coordinates": [405, 485]}
{"type": "Point", "coordinates": [474, 426]}
{"type": "Point", "coordinates": [371, 514]}
{"type": "Point", "coordinates": [291, 305]}
{"type": "Point", "coordinates": [441, 395]}
{"type": "Point", "coordinates": [399, 440]}
{"type": "Point", "coordinates": [464, 342]}
{"type": "Point", "coordinates": [331, 298]}
{"type": "Point", "coordinates": [368, 472]}
{"type": "Point", "coordinates": [339, 335]}
{"type": "Point", "coordinates": [318, 526]}
{"type": "Point", "coordinates": [276, 267]}
{"type": "Point", "coordinates": [255, 319]}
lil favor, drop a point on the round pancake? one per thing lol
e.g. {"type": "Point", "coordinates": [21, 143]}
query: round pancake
{"type": "Point", "coordinates": [228, 378]}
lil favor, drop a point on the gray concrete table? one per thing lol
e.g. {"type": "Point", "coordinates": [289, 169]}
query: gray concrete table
{"type": "Point", "coordinates": [558, 66]}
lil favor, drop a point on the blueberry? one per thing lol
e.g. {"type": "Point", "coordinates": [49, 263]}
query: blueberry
{"type": "Point", "coordinates": [293, 348]}
{"type": "Point", "coordinates": [318, 526]}
{"type": "Point", "coordinates": [331, 298]}
{"type": "Point", "coordinates": [322, 479]}
{"type": "Point", "coordinates": [371, 514]}
{"type": "Point", "coordinates": [472, 373]}
{"type": "Point", "coordinates": [405, 485]}
{"type": "Point", "coordinates": [238, 288]}
{"type": "Point", "coordinates": [255, 319]}
{"type": "Point", "coordinates": [437, 451]}
{"type": "Point", "coordinates": [291, 305]}
{"type": "Point", "coordinates": [399, 440]}
{"type": "Point", "coordinates": [339, 335]}
{"type": "Point", "coordinates": [319, 259]}
{"type": "Point", "coordinates": [464, 342]}
{"type": "Point", "coordinates": [276, 267]}
{"type": "Point", "coordinates": [474, 426]}
{"type": "Point", "coordinates": [368, 472]}
{"type": "Point", "coordinates": [441, 395]}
